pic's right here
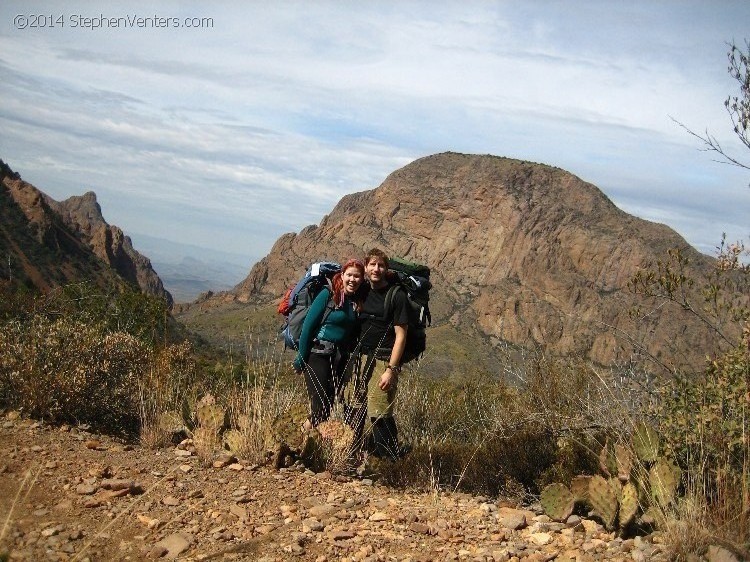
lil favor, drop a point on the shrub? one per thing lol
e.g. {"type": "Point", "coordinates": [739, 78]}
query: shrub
{"type": "Point", "coordinates": [705, 423]}
{"type": "Point", "coordinates": [67, 371]}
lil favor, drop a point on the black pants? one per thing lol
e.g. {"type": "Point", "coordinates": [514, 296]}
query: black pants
{"type": "Point", "coordinates": [324, 376]}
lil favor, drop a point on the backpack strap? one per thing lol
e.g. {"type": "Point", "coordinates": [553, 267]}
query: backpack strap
{"type": "Point", "coordinates": [330, 305]}
{"type": "Point", "coordinates": [388, 305]}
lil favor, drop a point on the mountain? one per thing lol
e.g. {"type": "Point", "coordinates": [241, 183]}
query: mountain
{"type": "Point", "coordinates": [523, 255]}
{"type": "Point", "coordinates": [188, 270]}
{"type": "Point", "coordinates": [48, 243]}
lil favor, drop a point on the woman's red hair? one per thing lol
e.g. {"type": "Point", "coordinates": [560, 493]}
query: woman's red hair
{"type": "Point", "coordinates": [338, 284]}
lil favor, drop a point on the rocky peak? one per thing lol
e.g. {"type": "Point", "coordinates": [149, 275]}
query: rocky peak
{"type": "Point", "coordinates": [78, 221]}
{"type": "Point", "coordinates": [528, 253]}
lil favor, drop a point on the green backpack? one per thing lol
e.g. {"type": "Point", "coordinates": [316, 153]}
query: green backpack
{"type": "Point", "coordinates": [414, 279]}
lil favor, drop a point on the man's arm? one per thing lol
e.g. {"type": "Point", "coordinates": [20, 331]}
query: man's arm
{"type": "Point", "coordinates": [394, 363]}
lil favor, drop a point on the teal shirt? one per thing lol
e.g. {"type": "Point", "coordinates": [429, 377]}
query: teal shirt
{"type": "Point", "coordinates": [337, 328]}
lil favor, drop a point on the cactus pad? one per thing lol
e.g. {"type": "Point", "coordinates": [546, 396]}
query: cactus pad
{"type": "Point", "coordinates": [624, 458]}
{"type": "Point", "coordinates": [664, 479]}
{"type": "Point", "coordinates": [646, 443]}
{"type": "Point", "coordinates": [579, 487]}
{"type": "Point", "coordinates": [210, 416]}
{"type": "Point", "coordinates": [607, 462]}
{"type": "Point", "coordinates": [628, 504]}
{"type": "Point", "coordinates": [557, 501]}
{"type": "Point", "coordinates": [604, 500]}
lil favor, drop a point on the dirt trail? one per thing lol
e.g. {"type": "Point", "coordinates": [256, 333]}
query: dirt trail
{"type": "Point", "coordinates": [66, 494]}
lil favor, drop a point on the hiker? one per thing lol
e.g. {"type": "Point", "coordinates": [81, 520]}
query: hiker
{"type": "Point", "coordinates": [327, 333]}
{"type": "Point", "coordinates": [377, 364]}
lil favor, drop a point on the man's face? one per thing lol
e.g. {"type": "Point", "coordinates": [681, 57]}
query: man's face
{"type": "Point", "coordinates": [375, 270]}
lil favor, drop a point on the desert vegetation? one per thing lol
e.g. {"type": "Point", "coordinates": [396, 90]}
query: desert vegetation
{"type": "Point", "coordinates": [639, 448]}
{"type": "Point", "coordinates": [81, 355]}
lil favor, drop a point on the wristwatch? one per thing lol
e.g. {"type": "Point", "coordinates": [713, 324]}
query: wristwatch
{"type": "Point", "coordinates": [396, 369]}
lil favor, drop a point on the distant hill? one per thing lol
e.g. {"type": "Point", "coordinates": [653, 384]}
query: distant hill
{"type": "Point", "coordinates": [188, 270]}
{"type": "Point", "coordinates": [47, 243]}
{"type": "Point", "coordinates": [523, 255]}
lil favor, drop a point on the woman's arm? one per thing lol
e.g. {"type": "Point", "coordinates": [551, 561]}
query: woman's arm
{"type": "Point", "coordinates": [310, 328]}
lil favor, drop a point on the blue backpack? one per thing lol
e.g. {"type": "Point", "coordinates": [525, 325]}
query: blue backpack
{"type": "Point", "coordinates": [297, 299]}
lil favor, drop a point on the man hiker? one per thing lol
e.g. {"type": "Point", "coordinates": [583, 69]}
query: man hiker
{"type": "Point", "coordinates": [377, 366]}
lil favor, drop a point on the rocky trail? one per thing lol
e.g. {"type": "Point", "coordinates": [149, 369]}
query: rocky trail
{"type": "Point", "coordinates": [66, 494]}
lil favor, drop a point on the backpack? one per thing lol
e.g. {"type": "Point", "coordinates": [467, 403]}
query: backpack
{"type": "Point", "coordinates": [298, 298]}
{"type": "Point", "coordinates": [414, 279]}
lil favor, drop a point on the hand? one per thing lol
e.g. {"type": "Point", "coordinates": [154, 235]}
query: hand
{"type": "Point", "coordinates": [386, 379]}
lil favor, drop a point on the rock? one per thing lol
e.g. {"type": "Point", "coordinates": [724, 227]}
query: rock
{"type": "Point", "coordinates": [558, 245]}
{"type": "Point", "coordinates": [112, 494]}
{"type": "Point", "coordinates": [86, 489]}
{"type": "Point", "coordinates": [174, 544]}
{"type": "Point", "coordinates": [720, 554]}
{"type": "Point", "coordinates": [379, 516]}
{"type": "Point", "coordinates": [93, 503]}
{"type": "Point", "coordinates": [420, 528]}
{"type": "Point", "coordinates": [239, 512]}
{"type": "Point", "coordinates": [342, 535]}
{"type": "Point", "coordinates": [592, 526]}
{"type": "Point", "coordinates": [170, 501]}
{"type": "Point", "coordinates": [118, 484]}
{"type": "Point", "coordinates": [321, 510]}
{"type": "Point", "coordinates": [511, 519]}
{"type": "Point", "coordinates": [157, 551]}
{"type": "Point", "coordinates": [149, 522]}
{"type": "Point", "coordinates": [541, 539]}
{"type": "Point", "coordinates": [224, 460]}
{"type": "Point", "coordinates": [51, 531]}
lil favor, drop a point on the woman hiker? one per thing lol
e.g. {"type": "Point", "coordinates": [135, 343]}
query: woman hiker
{"type": "Point", "coordinates": [327, 335]}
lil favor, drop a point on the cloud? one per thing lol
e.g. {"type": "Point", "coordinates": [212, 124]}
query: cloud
{"type": "Point", "coordinates": [258, 125]}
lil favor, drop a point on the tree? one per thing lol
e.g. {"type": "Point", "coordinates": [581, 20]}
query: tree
{"type": "Point", "coordinates": [738, 107]}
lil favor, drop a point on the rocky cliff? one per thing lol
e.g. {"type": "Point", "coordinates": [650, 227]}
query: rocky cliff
{"type": "Point", "coordinates": [530, 254]}
{"type": "Point", "coordinates": [56, 242]}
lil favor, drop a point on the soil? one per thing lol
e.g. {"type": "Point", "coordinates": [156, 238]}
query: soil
{"type": "Point", "coordinates": [68, 494]}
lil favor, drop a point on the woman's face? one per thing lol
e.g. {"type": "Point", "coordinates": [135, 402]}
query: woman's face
{"type": "Point", "coordinates": [352, 278]}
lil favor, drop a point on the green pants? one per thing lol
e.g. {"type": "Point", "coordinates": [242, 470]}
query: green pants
{"type": "Point", "coordinates": [365, 390]}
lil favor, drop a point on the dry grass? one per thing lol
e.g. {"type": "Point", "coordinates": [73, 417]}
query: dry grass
{"type": "Point", "coordinates": [162, 391]}
{"type": "Point", "coordinates": [257, 401]}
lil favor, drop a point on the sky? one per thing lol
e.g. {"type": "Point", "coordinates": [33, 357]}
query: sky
{"type": "Point", "coordinates": [226, 124]}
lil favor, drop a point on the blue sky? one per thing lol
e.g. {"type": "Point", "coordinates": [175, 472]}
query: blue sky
{"type": "Point", "coordinates": [227, 135]}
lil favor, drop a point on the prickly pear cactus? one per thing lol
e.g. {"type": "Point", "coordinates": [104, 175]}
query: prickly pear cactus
{"type": "Point", "coordinates": [607, 461]}
{"type": "Point", "coordinates": [239, 440]}
{"type": "Point", "coordinates": [170, 422]}
{"type": "Point", "coordinates": [646, 443]}
{"type": "Point", "coordinates": [210, 420]}
{"type": "Point", "coordinates": [654, 517]}
{"type": "Point", "coordinates": [604, 500]}
{"type": "Point", "coordinates": [285, 436]}
{"type": "Point", "coordinates": [628, 504]}
{"type": "Point", "coordinates": [210, 416]}
{"type": "Point", "coordinates": [334, 445]}
{"type": "Point", "coordinates": [664, 479]}
{"type": "Point", "coordinates": [624, 458]}
{"type": "Point", "coordinates": [579, 487]}
{"type": "Point", "coordinates": [557, 501]}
